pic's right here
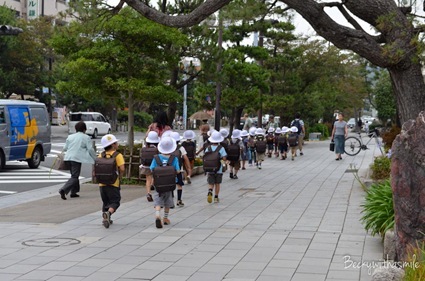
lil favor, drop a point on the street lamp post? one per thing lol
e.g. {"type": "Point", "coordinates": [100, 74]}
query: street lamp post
{"type": "Point", "coordinates": [188, 65]}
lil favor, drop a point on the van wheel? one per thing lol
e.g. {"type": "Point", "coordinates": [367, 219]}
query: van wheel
{"type": "Point", "coordinates": [94, 134]}
{"type": "Point", "coordinates": [35, 160]}
{"type": "Point", "coordinates": [2, 160]}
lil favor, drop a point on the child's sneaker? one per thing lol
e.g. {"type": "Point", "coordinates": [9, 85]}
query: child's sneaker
{"type": "Point", "coordinates": [106, 219]}
{"type": "Point", "coordinates": [149, 197]}
{"type": "Point", "coordinates": [216, 200]}
{"type": "Point", "coordinates": [235, 177]}
{"type": "Point", "coordinates": [188, 180]}
{"type": "Point", "coordinates": [231, 175]}
{"type": "Point", "coordinates": [180, 203]}
{"type": "Point", "coordinates": [301, 154]}
{"type": "Point", "coordinates": [209, 197]}
{"type": "Point", "coordinates": [158, 223]}
{"type": "Point", "coordinates": [166, 221]}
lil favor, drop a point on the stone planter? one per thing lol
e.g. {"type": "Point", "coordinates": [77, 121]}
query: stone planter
{"type": "Point", "coordinates": [198, 170]}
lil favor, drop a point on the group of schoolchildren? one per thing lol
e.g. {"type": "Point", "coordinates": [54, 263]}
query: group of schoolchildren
{"type": "Point", "coordinates": [165, 159]}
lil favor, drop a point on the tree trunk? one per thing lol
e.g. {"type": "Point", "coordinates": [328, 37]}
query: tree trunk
{"type": "Point", "coordinates": [409, 89]}
{"type": "Point", "coordinates": [130, 135]}
{"type": "Point", "coordinates": [408, 185]}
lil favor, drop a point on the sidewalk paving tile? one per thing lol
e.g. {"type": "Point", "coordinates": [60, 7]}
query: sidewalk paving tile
{"type": "Point", "coordinates": [292, 220]}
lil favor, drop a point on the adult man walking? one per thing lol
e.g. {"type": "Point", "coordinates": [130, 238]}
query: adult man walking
{"type": "Point", "coordinates": [248, 122]}
{"type": "Point", "coordinates": [297, 122]}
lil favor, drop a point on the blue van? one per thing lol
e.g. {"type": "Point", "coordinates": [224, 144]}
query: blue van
{"type": "Point", "coordinates": [25, 132]}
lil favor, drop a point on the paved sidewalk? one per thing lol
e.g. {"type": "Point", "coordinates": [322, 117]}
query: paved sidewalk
{"type": "Point", "coordinates": [292, 220]}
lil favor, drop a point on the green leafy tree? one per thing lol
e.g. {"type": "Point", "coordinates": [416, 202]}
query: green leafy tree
{"type": "Point", "coordinates": [384, 98]}
{"type": "Point", "coordinates": [121, 60]}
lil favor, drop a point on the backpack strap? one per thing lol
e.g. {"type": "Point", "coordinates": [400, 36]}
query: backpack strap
{"type": "Point", "coordinates": [103, 154]}
{"type": "Point", "coordinates": [170, 160]}
{"type": "Point", "coordinates": [157, 160]}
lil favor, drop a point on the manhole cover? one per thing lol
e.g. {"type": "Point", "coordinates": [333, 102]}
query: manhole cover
{"type": "Point", "coordinates": [260, 194]}
{"type": "Point", "coordinates": [51, 242]}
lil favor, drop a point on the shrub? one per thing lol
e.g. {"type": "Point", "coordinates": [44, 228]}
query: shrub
{"type": "Point", "coordinates": [381, 168]}
{"type": "Point", "coordinates": [319, 128]}
{"type": "Point", "coordinates": [378, 210]}
{"type": "Point", "coordinates": [198, 162]}
{"type": "Point", "coordinates": [389, 136]}
{"type": "Point", "coordinates": [415, 269]}
{"type": "Point", "coordinates": [141, 119]}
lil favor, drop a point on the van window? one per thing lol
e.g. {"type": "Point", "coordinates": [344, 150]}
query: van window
{"type": "Point", "coordinates": [19, 116]}
{"type": "Point", "coordinates": [2, 119]}
{"type": "Point", "coordinates": [80, 117]}
{"type": "Point", "coordinates": [39, 114]}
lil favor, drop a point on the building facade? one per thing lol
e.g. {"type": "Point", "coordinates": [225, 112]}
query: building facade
{"type": "Point", "coordinates": [31, 9]}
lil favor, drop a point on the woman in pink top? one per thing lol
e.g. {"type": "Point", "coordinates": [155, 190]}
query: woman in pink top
{"type": "Point", "coordinates": [160, 124]}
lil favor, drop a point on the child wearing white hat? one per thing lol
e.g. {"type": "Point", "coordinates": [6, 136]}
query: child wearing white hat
{"type": "Point", "coordinates": [147, 153]}
{"type": "Point", "coordinates": [234, 152]}
{"type": "Point", "coordinates": [184, 163]}
{"type": "Point", "coordinates": [260, 146]}
{"type": "Point", "coordinates": [215, 178]}
{"type": "Point", "coordinates": [190, 145]}
{"type": "Point", "coordinates": [166, 147]}
{"type": "Point", "coordinates": [277, 133]}
{"type": "Point", "coordinates": [110, 193]}
{"type": "Point", "coordinates": [245, 154]}
{"type": "Point", "coordinates": [282, 142]}
{"type": "Point", "coordinates": [293, 141]}
{"type": "Point", "coordinates": [270, 141]}
{"type": "Point", "coordinates": [251, 146]}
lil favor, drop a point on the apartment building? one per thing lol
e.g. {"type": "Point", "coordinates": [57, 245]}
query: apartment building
{"type": "Point", "coordinates": [31, 9]}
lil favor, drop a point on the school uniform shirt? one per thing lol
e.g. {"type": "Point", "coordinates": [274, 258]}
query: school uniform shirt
{"type": "Point", "coordinates": [222, 153]}
{"type": "Point", "coordinates": [164, 160]}
{"type": "Point", "coordinates": [79, 148]}
{"type": "Point", "coordinates": [119, 160]}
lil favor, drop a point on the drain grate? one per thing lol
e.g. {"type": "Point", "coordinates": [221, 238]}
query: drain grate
{"type": "Point", "coordinates": [51, 242]}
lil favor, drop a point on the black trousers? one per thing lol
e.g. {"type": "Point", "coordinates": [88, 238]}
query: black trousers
{"type": "Point", "coordinates": [73, 184]}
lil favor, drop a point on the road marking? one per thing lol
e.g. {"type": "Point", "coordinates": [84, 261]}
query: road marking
{"type": "Point", "coordinates": [7, 192]}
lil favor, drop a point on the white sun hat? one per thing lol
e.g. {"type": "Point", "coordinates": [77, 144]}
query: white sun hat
{"type": "Point", "coordinates": [107, 140]}
{"type": "Point", "coordinates": [152, 137]}
{"type": "Point", "coordinates": [176, 136]}
{"type": "Point", "coordinates": [244, 133]}
{"type": "Point", "coordinates": [278, 131]}
{"type": "Point", "coordinates": [216, 137]}
{"type": "Point", "coordinates": [252, 131]}
{"type": "Point", "coordinates": [167, 145]}
{"type": "Point", "coordinates": [236, 134]}
{"type": "Point", "coordinates": [224, 133]}
{"type": "Point", "coordinates": [294, 129]}
{"type": "Point", "coordinates": [189, 135]}
{"type": "Point", "coordinates": [270, 130]}
{"type": "Point", "coordinates": [166, 134]}
{"type": "Point", "coordinates": [285, 129]}
{"type": "Point", "coordinates": [259, 131]}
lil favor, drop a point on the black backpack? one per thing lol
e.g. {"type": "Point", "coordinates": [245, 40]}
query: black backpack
{"type": "Point", "coordinates": [105, 168]}
{"type": "Point", "coordinates": [211, 159]}
{"type": "Point", "coordinates": [260, 145]}
{"type": "Point", "coordinates": [178, 154]}
{"type": "Point", "coordinates": [297, 124]}
{"type": "Point", "coordinates": [225, 144]}
{"type": "Point", "coordinates": [190, 147]}
{"type": "Point", "coordinates": [270, 138]}
{"type": "Point", "coordinates": [282, 139]}
{"type": "Point", "coordinates": [146, 155]}
{"type": "Point", "coordinates": [293, 139]}
{"type": "Point", "coordinates": [233, 151]}
{"type": "Point", "coordinates": [164, 176]}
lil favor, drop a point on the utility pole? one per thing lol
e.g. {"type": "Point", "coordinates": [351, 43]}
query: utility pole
{"type": "Point", "coordinates": [218, 82]}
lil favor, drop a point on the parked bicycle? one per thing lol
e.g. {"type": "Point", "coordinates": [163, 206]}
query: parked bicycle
{"type": "Point", "coordinates": [353, 145]}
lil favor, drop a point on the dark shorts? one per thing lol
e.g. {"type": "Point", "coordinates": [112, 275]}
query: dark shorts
{"type": "Point", "coordinates": [180, 179]}
{"type": "Point", "coordinates": [235, 164]}
{"type": "Point", "coordinates": [214, 178]}
{"type": "Point", "coordinates": [111, 197]}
